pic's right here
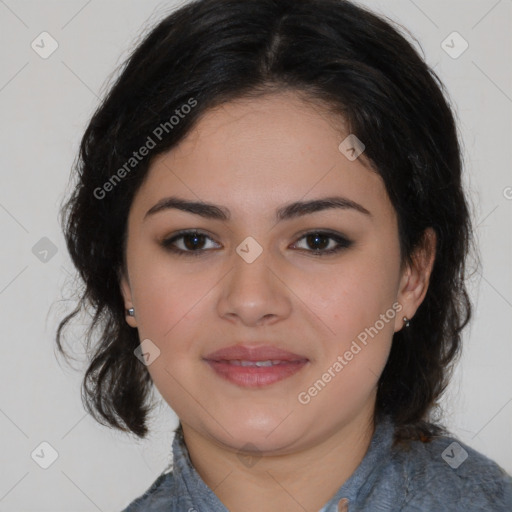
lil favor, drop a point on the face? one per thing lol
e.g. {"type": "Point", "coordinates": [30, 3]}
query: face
{"type": "Point", "coordinates": [322, 283]}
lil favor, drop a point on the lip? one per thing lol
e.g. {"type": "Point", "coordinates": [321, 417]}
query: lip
{"type": "Point", "coordinates": [225, 363]}
{"type": "Point", "coordinates": [253, 353]}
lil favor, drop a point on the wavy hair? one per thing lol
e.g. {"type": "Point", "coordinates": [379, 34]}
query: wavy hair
{"type": "Point", "coordinates": [334, 52]}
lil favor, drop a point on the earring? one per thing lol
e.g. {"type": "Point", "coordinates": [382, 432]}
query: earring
{"type": "Point", "coordinates": [130, 312]}
{"type": "Point", "coordinates": [407, 322]}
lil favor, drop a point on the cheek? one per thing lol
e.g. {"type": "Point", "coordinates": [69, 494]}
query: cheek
{"type": "Point", "coordinates": [351, 296]}
{"type": "Point", "coordinates": [168, 295]}
{"type": "Point", "coordinates": [352, 359]}
{"type": "Point", "coordinates": [170, 308]}
{"type": "Point", "coordinates": [357, 300]}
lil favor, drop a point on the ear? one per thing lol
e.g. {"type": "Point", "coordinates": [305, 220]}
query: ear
{"type": "Point", "coordinates": [416, 277]}
{"type": "Point", "coordinates": [126, 292]}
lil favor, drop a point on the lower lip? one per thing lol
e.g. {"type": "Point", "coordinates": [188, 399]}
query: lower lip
{"type": "Point", "coordinates": [256, 376]}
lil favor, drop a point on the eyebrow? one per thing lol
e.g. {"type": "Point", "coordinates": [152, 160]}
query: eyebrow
{"type": "Point", "coordinates": [287, 212]}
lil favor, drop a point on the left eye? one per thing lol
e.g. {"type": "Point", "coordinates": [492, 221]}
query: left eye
{"type": "Point", "coordinates": [322, 240]}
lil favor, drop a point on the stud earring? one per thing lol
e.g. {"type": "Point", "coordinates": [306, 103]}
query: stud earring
{"type": "Point", "coordinates": [130, 312]}
{"type": "Point", "coordinates": [407, 322]}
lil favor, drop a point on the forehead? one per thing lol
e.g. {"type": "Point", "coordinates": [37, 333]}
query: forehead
{"type": "Point", "coordinates": [253, 155]}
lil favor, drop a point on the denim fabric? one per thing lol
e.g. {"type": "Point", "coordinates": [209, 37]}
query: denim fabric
{"type": "Point", "coordinates": [424, 477]}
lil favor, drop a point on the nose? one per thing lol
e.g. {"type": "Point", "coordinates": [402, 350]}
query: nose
{"type": "Point", "coordinates": [254, 293]}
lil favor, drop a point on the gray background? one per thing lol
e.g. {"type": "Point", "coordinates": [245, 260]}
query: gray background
{"type": "Point", "coordinates": [45, 104]}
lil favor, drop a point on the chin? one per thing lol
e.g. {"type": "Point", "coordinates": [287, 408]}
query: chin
{"type": "Point", "coordinates": [266, 433]}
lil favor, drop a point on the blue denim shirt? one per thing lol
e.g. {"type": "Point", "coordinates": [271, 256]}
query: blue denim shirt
{"type": "Point", "coordinates": [444, 475]}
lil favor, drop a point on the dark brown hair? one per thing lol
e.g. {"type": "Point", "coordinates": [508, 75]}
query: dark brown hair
{"type": "Point", "coordinates": [334, 52]}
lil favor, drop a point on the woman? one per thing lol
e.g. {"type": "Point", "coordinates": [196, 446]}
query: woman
{"type": "Point", "coordinates": [271, 228]}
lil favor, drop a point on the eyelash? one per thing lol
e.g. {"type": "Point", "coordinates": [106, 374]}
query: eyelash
{"type": "Point", "coordinates": [343, 243]}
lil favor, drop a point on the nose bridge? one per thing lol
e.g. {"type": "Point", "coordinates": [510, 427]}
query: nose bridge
{"type": "Point", "coordinates": [253, 290]}
{"type": "Point", "coordinates": [252, 265]}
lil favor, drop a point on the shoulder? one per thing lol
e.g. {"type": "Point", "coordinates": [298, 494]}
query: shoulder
{"type": "Point", "coordinates": [449, 474]}
{"type": "Point", "coordinates": [156, 497]}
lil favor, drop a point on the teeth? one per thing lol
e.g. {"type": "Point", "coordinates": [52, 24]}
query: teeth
{"type": "Point", "coordinates": [238, 362]}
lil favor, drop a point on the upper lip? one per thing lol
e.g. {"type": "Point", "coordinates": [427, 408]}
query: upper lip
{"type": "Point", "coordinates": [253, 353]}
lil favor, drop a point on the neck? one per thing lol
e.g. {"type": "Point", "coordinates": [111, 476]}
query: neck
{"type": "Point", "coordinates": [304, 480]}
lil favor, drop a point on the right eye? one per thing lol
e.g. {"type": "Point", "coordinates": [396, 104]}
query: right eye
{"type": "Point", "coordinates": [191, 243]}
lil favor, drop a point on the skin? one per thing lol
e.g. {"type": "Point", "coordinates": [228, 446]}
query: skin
{"type": "Point", "coordinates": [253, 156]}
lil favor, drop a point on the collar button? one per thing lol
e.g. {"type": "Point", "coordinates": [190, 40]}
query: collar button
{"type": "Point", "coordinates": [343, 505]}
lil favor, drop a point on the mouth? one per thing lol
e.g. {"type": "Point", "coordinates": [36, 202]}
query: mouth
{"type": "Point", "coordinates": [254, 367]}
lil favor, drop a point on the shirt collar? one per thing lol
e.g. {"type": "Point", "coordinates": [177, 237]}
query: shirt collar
{"type": "Point", "coordinates": [189, 486]}
{"type": "Point", "coordinates": [359, 484]}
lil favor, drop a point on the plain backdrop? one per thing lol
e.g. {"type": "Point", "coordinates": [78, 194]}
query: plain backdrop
{"type": "Point", "coordinates": [45, 104]}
